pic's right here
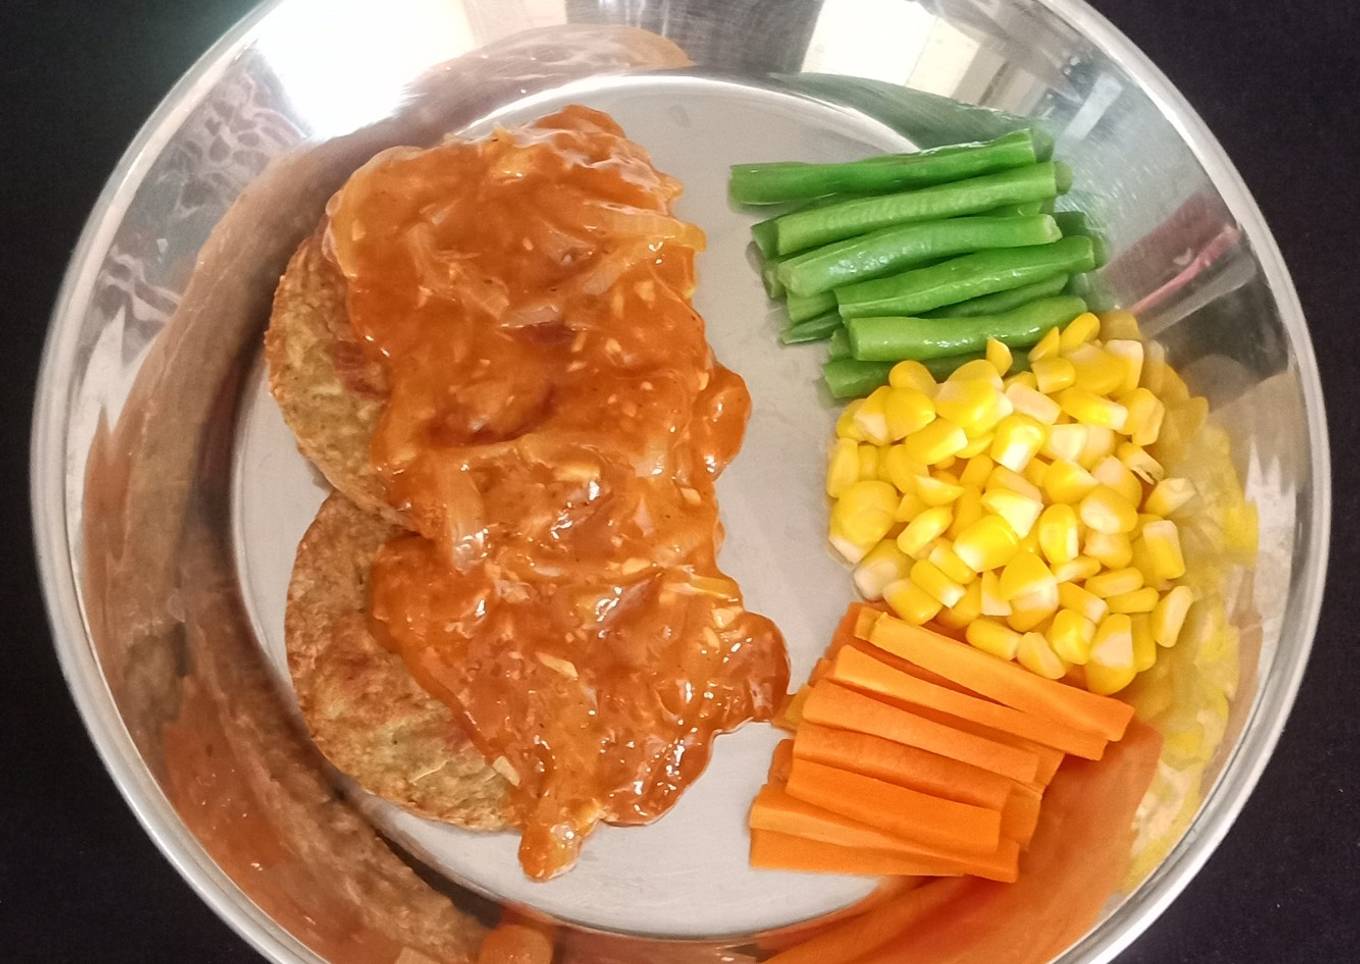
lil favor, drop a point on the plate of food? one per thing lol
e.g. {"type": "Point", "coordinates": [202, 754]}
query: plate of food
{"type": "Point", "coordinates": [535, 485]}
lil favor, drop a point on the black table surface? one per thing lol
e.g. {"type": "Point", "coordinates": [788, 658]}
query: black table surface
{"type": "Point", "coordinates": [1278, 84]}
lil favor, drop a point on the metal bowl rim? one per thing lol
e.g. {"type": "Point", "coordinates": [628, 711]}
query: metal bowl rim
{"type": "Point", "coordinates": [158, 818]}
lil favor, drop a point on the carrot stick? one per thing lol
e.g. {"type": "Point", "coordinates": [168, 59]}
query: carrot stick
{"type": "Point", "coordinates": [865, 617]}
{"type": "Point", "coordinates": [868, 932]}
{"type": "Point", "coordinates": [771, 850]}
{"type": "Point", "coordinates": [866, 673]}
{"type": "Point", "coordinates": [780, 761]}
{"type": "Point", "coordinates": [932, 821]}
{"type": "Point", "coordinates": [791, 713]}
{"type": "Point", "coordinates": [820, 669]}
{"type": "Point", "coordinates": [1048, 758]}
{"type": "Point", "coordinates": [1001, 680]}
{"type": "Point", "coordinates": [904, 765]}
{"type": "Point", "coordinates": [834, 705]}
{"type": "Point", "coordinates": [1020, 815]}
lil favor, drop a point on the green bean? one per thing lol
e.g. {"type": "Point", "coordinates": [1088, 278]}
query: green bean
{"type": "Point", "coordinates": [799, 230]}
{"type": "Point", "coordinates": [769, 274]}
{"type": "Point", "coordinates": [894, 339]}
{"type": "Point", "coordinates": [1015, 210]}
{"type": "Point", "coordinates": [907, 245]}
{"type": "Point", "coordinates": [791, 181]}
{"type": "Point", "coordinates": [848, 378]}
{"type": "Point", "coordinates": [960, 279]}
{"type": "Point", "coordinates": [1001, 300]}
{"type": "Point", "coordinates": [814, 329]}
{"type": "Point", "coordinates": [1072, 222]}
{"type": "Point", "coordinates": [763, 233]}
{"type": "Point", "coordinates": [839, 345]}
{"type": "Point", "coordinates": [802, 308]}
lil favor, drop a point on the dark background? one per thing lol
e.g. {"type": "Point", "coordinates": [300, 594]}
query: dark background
{"type": "Point", "coordinates": [79, 881]}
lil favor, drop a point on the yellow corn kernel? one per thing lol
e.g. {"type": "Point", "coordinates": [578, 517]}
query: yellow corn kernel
{"type": "Point", "coordinates": [1082, 567]}
{"type": "Point", "coordinates": [846, 427]}
{"type": "Point", "coordinates": [999, 356]}
{"type": "Point", "coordinates": [1023, 575]}
{"type": "Point", "coordinates": [967, 510]}
{"type": "Point", "coordinates": [1025, 379]}
{"type": "Point", "coordinates": [1091, 409]}
{"type": "Point", "coordinates": [1140, 463]}
{"type": "Point", "coordinates": [1079, 331]}
{"type": "Point", "coordinates": [852, 550]}
{"type": "Point", "coordinates": [1034, 472]}
{"type": "Point", "coordinates": [871, 417]}
{"type": "Point", "coordinates": [1139, 601]}
{"type": "Point", "coordinates": [1019, 511]}
{"type": "Point", "coordinates": [910, 602]}
{"type": "Point", "coordinates": [1130, 355]}
{"type": "Point", "coordinates": [1163, 542]}
{"type": "Point", "coordinates": [1119, 324]}
{"type": "Point", "coordinates": [1047, 346]}
{"type": "Point", "coordinates": [1114, 473]}
{"type": "Point", "coordinates": [1169, 495]}
{"type": "Point", "coordinates": [1003, 478]}
{"type": "Point", "coordinates": [1141, 559]}
{"type": "Point", "coordinates": [1018, 439]}
{"type": "Point", "coordinates": [1080, 601]}
{"type": "Point", "coordinates": [1144, 645]}
{"type": "Point", "coordinates": [939, 440]}
{"type": "Point", "coordinates": [1033, 608]}
{"type": "Point", "coordinates": [842, 469]}
{"type": "Point", "coordinates": [1038, 657]}
{"type": "Point", "coordinates": [975, 473]}
{"type": "Point", "coordinates": [990, 602]}
{"type": "Point", "coordinates": [1066, 441]}
{"type": "Point", "coordinates": [993, 637]}
{"type": "Point", "coordinates": [1113, 550]}
{"type": "Point", "coordinates": [912, 374]}
{"type": "Point", "coordinates": [1052, 375]}
{"type": "Point", "coordinates": [1114, 582]}
{"type": "Point", "coordinates": [1168, 616]}
{"type": "Point", "coordinates": [901, 469]}
{"type": "Point", "coordinates": [921, 531]}
{"type": "Point", "coordinates": [978, 368]}
{"type": "Point", "coordinates": [884, 563]}
{"type": "Point", "coordinates": [937, 491]}
{"type": "Point", "coordinates": [1033, 403]}
{"type": "Point", "coordinates": [861, 517]}
{"type": "Point", "coordinates": [1146, 412]}
{"type": "Point", "coordinates": [986, 544]}
{"type": "Point", "coordinates": [944, 558]}
{"type": "Point", "coordinates": [1059, 534]}
{"type": "Point", "coordinates": [1105, 510]}
{"type": "Point", "coordinates": [1070, 635]}
{"type": "Point", "coordinates": [909, 507]}
{"type": "Point", "coordinates": [907, 410]}
{"type": "Point", "coordinates": [1111, 665]}
{"type": "Point", "coordinates": [1154, 367]}
{"type": "Point", "coordinates": [884, 475]}
{"type": "Point", "coordinates": [976, 446]}
{"type": "Point", "coordinates": [944, 590]}
{"type": "Point", "coordinates": [962, 613]}
{"type": "Point", "coordinates": [1067, 482]}
{"type": "Point", "coordinates": [973, 404]}
{"type": "Point", "coordinates": [1098, 371]}
{"type": "Point", "coordinates": [1100, 443]}
{"type": "Point", "coordinates": [867, 456]}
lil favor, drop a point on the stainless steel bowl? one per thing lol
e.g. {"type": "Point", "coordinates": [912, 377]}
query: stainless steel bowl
{"type": "Point", "coordinates": [147, 380]}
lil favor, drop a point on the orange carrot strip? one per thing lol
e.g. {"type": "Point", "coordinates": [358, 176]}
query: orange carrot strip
{"type": "Point", "coordinates": [868, 932]}
{"type": "Point", "coordinates": [791, 713]}
{"type": "Point", "coordinates": [1020, 815]}
{"type": "Point", "coordinates": [933, 821]}
{"type": "Point", "coordinates": [772, 850]}
{"type": "Point", "coordinates": [1077, 858]}
{"type": "Point", "coordinates": [834, 705]}
{"type": "Point", "coordinates": [1003, 681]}
{"type": "Point", "coordinates": [864, 672]}
{"type": "Point", "coordinates": [865, 617]}
{"type": "Point", "coordinates": [822, 668]}
{"type": "Point", "coordinates": [904, 765]}
{"type": "Point", "coordinates": [1048, 758]}
{"type": "Point", "coordinates": [780, 761]}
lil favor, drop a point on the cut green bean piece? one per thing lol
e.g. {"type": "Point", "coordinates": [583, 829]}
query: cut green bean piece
{"type": "Point", "coordinates": [802, 308]}
{"type": "Point", "coordinates": [769, 274]}
{"type": "Point", "coordinates": [814, 329]}
{"type": "Point", "coordinates": [763, 233]}
{"type": "Point", "coordinates": [799, 230]}
{"type": "Point", "coordinates": [895, 339]}
{"type": "Point", "coordinates": [790, 181]}
{"type": "Point", "coordinates": [1015, 210]}
{"type": "Point", "coordinates": [839, 345]}
{"type": "Point", "coordinates": [1002, 300]}
{"type": "Point", "coordinates": [908, 245]}
{"type": "Point", "coordinates": [1072, 223]}
{"type": "Point", "coordinates": [848, 378]}
{"type": "Point", "coordinates": [960, 279]}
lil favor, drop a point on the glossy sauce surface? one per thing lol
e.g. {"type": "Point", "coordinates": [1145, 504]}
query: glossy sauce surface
{"type": "Point", "coordinates": [554, 426]}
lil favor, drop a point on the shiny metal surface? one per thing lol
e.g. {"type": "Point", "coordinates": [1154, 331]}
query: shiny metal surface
{"type": "Point", "coordinates": [160, 314]}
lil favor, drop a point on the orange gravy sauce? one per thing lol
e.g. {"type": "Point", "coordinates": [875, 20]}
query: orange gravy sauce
{"type": "Point", "coordinates": [554, 427]}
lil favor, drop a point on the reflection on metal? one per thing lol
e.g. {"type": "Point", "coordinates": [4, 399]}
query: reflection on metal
{"type": "Point", "coordinates": [167, 292]}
